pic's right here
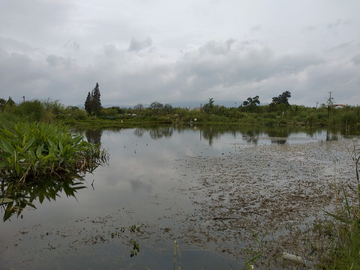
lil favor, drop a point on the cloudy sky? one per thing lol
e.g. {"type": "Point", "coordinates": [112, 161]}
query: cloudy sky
{"type": "Point", "coordinates": [173, 51]}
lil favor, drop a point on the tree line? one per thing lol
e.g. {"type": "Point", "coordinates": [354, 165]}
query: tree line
{"type": "Point", "coordinates": [279, 111]}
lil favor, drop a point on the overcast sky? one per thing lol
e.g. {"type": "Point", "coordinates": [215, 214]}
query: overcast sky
{"type": "Point", "coordinates": [170, 51]}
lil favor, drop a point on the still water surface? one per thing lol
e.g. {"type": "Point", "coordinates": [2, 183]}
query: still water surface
{"type": "Point", "coordinates": [141, 185]}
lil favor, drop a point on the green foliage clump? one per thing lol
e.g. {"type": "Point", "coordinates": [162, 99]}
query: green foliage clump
{"type": "Point", "coordinates": [30, 151]}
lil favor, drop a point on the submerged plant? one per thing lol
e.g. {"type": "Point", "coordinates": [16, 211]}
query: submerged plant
{"type": "Point", "coordinates": [30, 151]}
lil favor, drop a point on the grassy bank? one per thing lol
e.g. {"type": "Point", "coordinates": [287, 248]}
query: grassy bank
{"type": "Point", "coordinates": [347, 117]}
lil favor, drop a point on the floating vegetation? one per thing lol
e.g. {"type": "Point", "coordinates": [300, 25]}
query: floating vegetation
{"type": "Point", "coordinates": [133, 228]}
{"type": "Point", "coordinates": [135, 250]}
{"type": "Point", "coordinates": [31, 151]}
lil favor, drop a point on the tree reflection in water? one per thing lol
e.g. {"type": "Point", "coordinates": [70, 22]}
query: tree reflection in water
{"type": "Point", "coordinates": [14, 197]}
{"type": "Point", "coordinates": [250, 134]}
{"type": "Point", "coordinates": [94, 136]}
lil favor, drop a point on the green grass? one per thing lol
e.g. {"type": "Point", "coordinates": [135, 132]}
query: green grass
{"type": "Point", "coordinates": [342, 248]}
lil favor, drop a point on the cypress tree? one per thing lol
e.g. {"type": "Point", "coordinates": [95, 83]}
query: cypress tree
{"type": "Point", "coordinates": [88, 104]}
{"type": "Point", "coordinates": [96, 103]}
{"type": "Point", "coordinates": [93, 103]}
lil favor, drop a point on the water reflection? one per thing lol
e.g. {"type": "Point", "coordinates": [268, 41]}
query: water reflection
{"type": "Point", "coordinates": [17, 197]}
{"type": "Point", "coordinates": [331, 136]}
{"type": "Point", "coordinates": [159, 132]}
{"type": "Point", "coordinates": [250, 134]}
{"type": "Point", "coordinates": [94, 136]}
{"type": "Point", "coordinates": [139, 132]}
{"type": "Point", "coordinates": [138, 185]}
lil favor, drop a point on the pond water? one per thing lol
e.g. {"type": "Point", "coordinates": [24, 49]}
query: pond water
{"type": "Point", "coordinates": [211, 188]}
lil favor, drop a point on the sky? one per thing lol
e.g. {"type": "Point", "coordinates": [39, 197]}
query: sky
{"type": "Point", "coordinates": [173, 51]}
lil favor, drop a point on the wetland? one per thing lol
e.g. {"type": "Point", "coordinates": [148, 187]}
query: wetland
{"type": "Point", "coordinates": [224, 193]}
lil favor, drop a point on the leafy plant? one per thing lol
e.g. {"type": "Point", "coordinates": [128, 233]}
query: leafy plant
{"type": "Point", "coordinates": [30, 151]}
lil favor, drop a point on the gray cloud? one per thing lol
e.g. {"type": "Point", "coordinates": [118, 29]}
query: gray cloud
{"type": "Point", "coordinates": [72, 45]}
{"type": "Point", "coordinates": [224, 70]}
{"type": "Point", "coordinates": [256, 28]}
{"type": "Point", "coordinates": [334, 25]}
{"type": "Point", "coordinates": [58, 61]}
{"type": "Point", "coordinates": [60, 49]}
{"type": "Point", "coordinates": [356, 59]}
{"type": "Point", "coordinates": [310, 28]}
{"type": "Point", "coordinates": [110, 50]}
{"type": "Point", "coordinates": [136, 45]}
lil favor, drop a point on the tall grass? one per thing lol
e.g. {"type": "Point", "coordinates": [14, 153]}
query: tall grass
{"type": "Point", "coordinates": [344, 252]}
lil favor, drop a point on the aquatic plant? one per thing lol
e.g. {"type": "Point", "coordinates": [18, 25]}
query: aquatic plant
{"type": "Point", "coordinates": [135, 250]}
{"type": "Point", "coordinates": [31, 151]}
{"type": "Point", "coordinates": [133, 228]}
{"type": "Point", "coordinates": [343, 251]}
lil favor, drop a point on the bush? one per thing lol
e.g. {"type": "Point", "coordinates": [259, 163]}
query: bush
{"type": "Point", "coordinates": [33, 111]}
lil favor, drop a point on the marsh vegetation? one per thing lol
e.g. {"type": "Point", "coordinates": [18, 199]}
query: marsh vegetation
{"type": "Point", "coordinates": [277, 113]}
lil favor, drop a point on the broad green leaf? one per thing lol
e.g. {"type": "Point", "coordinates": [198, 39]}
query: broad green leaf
{"type": "Point", "coordinates": [3, 165]}
{"type": "Point", "coordinates": [39, 151]}
{"type": "Point", "coordinates": [7, 146]}
{"type": "Point", "coordinates": [29, 144]}
{"type": "Point", "coordinates": [5, 200]}
{"type": "Point", "coordinates": [32, 154]}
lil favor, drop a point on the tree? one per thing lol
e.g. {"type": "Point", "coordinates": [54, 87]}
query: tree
{"type": "Point", "coordinates": [10, 102]}
{"type": "Point", "coordinates": [251, 103]}
{"type": "Point", "coordinates": [2, 103]}
{"type": "Point", "coordinates": [168, 108]}
{"type": "Point", "coordinates": [138, 107]}
{"type": "Point", "coordinates": [282, 99]}
{"type": "Point", "coordinates": [208, 107]}
{"type": "Point", "coordinates": [93, 103]}
{"type": "Point", "coordinates": [156, 107]}
{"type": "Point", "coordinates": [88, 104]}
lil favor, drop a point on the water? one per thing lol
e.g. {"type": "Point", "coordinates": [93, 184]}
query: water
{"type": "Point", "coordinates": [150, 182]}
